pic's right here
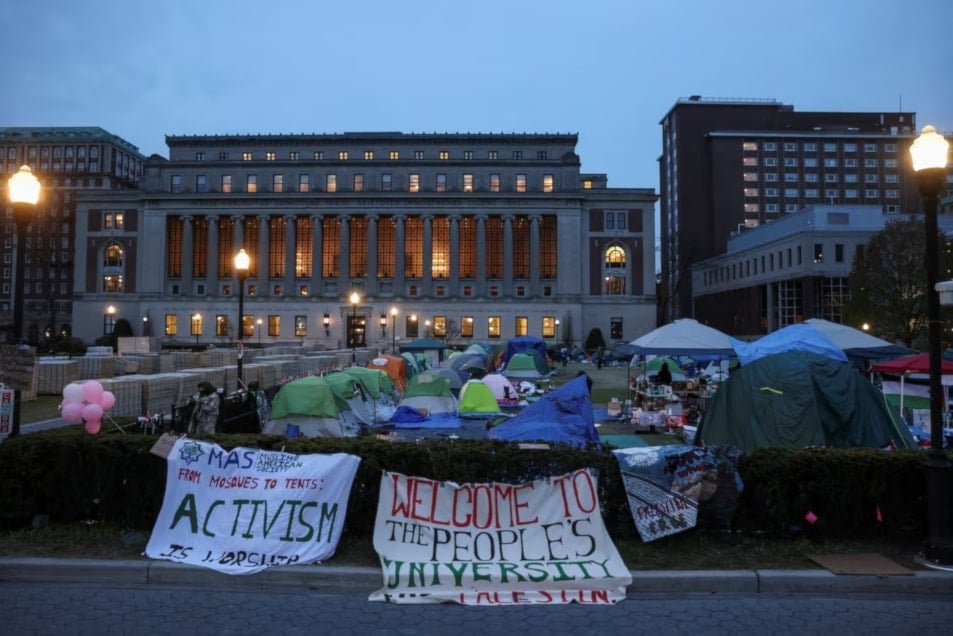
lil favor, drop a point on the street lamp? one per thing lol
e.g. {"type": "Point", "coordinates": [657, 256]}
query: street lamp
{"type": "Point", "coordinates": [930, 153]}
{"type": "Point", "coordinates": [355, 300]}
{"type": "Point", "coordinates": [393, 331]}
{"type": "Point", "coordinates": [327, 325]}
{"type": "Point", "coordinates": [384, 325]}
{"type": "Point", "coordinates": [241, 271]}
{"type": "Point", "coordinates": [23, 190]}
{"type": "Point", "coordinates": [145, 326]}
{"type": "Point", "coordinates": [258, 322]}
{"type": "Point", "coordinates": [196, 326]}
{"type": "Point", "coordinates": [109, 320]}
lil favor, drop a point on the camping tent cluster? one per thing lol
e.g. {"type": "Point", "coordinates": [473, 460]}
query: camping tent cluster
{"type": "Point", "coordinates": [794, 388]}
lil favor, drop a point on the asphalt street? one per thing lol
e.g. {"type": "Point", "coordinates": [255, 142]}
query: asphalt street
{"type": "Point", "coordinates": [98, 608]}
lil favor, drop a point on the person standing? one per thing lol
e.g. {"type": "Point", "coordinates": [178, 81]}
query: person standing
{"type": "Point", "coordinates": [204, 417]}
{"type": "Point", "coordinates": [664, 376]}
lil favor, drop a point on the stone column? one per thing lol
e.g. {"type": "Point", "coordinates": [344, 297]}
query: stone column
{"type": "Point", "coordinates": [400, 286]}
{"type": "Point", "coordinates": [291, 251]}
{"type": "Point", "coordinates": [264, 241]}
{"type": "Point", "coordinates": [481, 256]}
{"type": "Point", "coordinates": [370, 282]}
{"type": "Point", "coordinates": [508, 255]}
{"type": "Point", "coordinates": [426, 281]}
{"type": "Point", "coordinates": [188, 251]}
{"type": "Point", "coordinates": [344, 257]}
{"type": "Point", "coordinates": [454, 283]}
{"type": "Point", "coordinates": [317, 253]}
{"type": "Point", "coordinates": [534, 220]}
{"type": "Point", "coordinates": [211, 279]}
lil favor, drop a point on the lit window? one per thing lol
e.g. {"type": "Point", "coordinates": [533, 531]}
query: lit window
{"type": "Point", "coordinates": [749, 145]}
{"type": "Point", "coordinates": [277, 183]}
{"type": "Point", "coordinates": [319, 154]}
{"type": "Point", "coordinates": [493, 326]}
{"type": "Point", "coordinates": [414, 183]}
{"type": "Point", "coordinates": [358, 183]}
{"type": "Point", "coordinates": [171, 325]}
{"type": "Point", "coordinates": [521, 183]}
{"type": "Point", "coordinates": [274, 326]}
{"type": "Point", "coordinates": [368, 155]}
{"type": "Point", "coordinates": [304, 183]}
{"type": "Point", "coordinates": [492, 154]}
{"type": "Point", "coordinates": [494, 183]}
{"type": "Point", "coordinates": [251, 184]}
{"type": "Point", "coordinates": [226, 183]}
{"type": "Point", "coordinates": [269, 156]}
{"type": "Point", "coordinates": [342, 155]}
{"type": "Point", "coordinates": [444, 155]}
{"type": "Point", "coordinates": [301, 326]}
{"type": "Point", "coordinates": [246, 156]}
{"type": "Point", "coordinates": [331, 183]}
{"type": "Point", "coordinates": [393, 155]}
{"type": "Point", "coordinates": [293, 155]}
{"type": "Point", "coordinates": [587, 184]}
{"type": "Point", "coordinates": [547, 183]}
{"type": "Point", "coordinates": [468, 182]}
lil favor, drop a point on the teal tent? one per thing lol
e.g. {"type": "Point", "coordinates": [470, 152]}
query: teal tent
{"type": "Point", "coordinates": [799, 399]}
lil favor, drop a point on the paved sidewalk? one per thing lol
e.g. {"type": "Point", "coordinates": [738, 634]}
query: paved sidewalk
{"type": "Point", "coordinates": [347, 579]}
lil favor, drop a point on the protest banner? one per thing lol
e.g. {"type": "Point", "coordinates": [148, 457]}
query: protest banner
{"type": "Point", "coordinates": [665, 486]}
{"type": "Point", "coordinates": [542, 541]}
{"type": "Point", "coordinates": [240, 511]}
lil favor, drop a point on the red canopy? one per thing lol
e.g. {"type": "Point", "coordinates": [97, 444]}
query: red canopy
{"type": "Point", "coordinates": [917, 363]}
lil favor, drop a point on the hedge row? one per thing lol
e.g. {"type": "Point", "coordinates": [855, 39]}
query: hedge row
{"type": "Point", "coordinates": [73, 477]}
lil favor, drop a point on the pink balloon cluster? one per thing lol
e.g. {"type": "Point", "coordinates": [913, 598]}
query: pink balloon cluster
{"type": "Point", "coordinates": [86, 402]}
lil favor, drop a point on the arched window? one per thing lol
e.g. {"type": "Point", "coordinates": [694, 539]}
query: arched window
{"type": "Point", "coordinates": [113, 270]}
{"type": "Point", "coordinates": [615, 271]}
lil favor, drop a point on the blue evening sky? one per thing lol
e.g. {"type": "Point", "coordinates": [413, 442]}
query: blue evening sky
{"type": "Point", "coordinates": [608, 70]}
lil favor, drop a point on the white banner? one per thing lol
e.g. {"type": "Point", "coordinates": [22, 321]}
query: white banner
{"type": "Point", "coordinates": [543, 541]}
{"type": "Point", "coordinates": [244, 510]}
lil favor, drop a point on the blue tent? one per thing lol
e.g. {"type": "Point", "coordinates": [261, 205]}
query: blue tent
{"type": "Point", "coordinates": [799, 337]}
{"type": "Point", "coordinates": [525, 344]}
{"type": "Point", "coordinates": [562, 415]}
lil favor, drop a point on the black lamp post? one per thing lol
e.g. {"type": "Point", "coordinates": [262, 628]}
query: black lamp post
{"type": "Point", "coordinates": [393, 331]}
{"type": "Point", "coordinates": [930, 153]}
{"type": "Point", "coordinates": [241, 271]}
{"type": "Point", "coordinates": [355, 300]}
{"type": "Point", "coordinates": [196, 327]}
{"type": "Point", "coordinates": [258, 322]}
{"type": "Point", "coordinates": [24, 192]}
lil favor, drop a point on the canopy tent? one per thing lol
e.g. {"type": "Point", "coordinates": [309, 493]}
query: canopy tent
{"type": "Point", "coordinates": [799, 399]}
{"type": "Point", "coordinates": [684, 337]}
{"type": "Point", "coordinates": [798, 337]}
{"type": "Point", "coordinates": [918, 363]}
{"type": "Point", "coordinates": [856, 343]}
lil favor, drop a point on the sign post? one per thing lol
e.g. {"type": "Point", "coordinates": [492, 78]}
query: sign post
{"type": "Point", "coordinates": [17, 372]}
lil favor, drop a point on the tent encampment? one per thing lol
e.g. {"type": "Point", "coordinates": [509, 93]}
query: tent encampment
{"type": "Point", "coordinates": [394, 366]}
{"type": "Point", "coordinates": [525, 344]}
{"type": "Point", "coordinates": [562, 415]}
{"type": "Point", "coordinates": [798, 399]}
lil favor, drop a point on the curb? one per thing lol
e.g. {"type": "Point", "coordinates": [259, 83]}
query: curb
{"type": "Point", "coordinates": [364, 580]}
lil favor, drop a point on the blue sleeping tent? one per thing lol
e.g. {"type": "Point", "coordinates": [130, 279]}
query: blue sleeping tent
{"type": "Point", "coordinates": [563, 415]}
{"type": "Point", "coordinates": [525, 344]}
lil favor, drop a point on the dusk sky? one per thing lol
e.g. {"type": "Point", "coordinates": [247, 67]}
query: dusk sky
{"type": "Point", "coordinates": [608, 70]}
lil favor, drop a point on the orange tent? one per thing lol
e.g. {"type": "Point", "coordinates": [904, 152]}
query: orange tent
{"type": "Point", "coordinates": [393, 366]}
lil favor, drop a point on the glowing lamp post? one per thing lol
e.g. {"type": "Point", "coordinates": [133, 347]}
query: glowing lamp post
{"type": "Point", "coordinates": [393, 331]}
{"type": "Point", "coordinates": [23, 191]}
{"type": "Point", "coordinates": [930, 153]}
{"type": "Point", "coordinates": [241, 271]}
{"type": "Point", "coordinates": [258, 322]}
{"type": "Point", "coordinates": [355, 301]}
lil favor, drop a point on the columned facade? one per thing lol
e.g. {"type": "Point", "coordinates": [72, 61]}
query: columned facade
{"type": "Point", "coordinates": [487, 248]}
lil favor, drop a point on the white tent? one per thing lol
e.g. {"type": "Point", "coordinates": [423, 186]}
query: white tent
{"type": "Point", "coordinates": [684, 337]}
{"type": "Point", "coordinates": [857, 344]}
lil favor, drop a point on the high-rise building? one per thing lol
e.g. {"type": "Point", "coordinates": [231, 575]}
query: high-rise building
{"type": "Point", "coordinates": [67, 161]}
{"type": "Point", "coordinates": [466, 236]}
{"type": "Point", "coordinates": [732, 164]}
